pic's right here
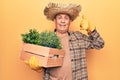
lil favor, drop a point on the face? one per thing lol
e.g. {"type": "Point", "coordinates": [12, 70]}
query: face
{"type": "Point", "coordinates": [62, 23]}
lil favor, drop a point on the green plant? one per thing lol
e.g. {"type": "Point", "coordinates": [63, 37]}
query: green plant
{"type": "Point", "coordinates": [32, 37]}
{"type": "Point", "coordinates": [46, 38]}
{"type": "Point", "coordinates": [50, 39]}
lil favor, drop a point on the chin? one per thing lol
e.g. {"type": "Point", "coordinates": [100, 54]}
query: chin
{"type": "Point", "coordinates": [63, 31]}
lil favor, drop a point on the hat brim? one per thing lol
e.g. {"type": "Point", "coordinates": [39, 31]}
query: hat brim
{"type": "Point", "coordinates": [51, 12]}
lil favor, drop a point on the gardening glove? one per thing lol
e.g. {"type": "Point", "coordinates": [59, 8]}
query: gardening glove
{"type": "Point", "coordinates": [33, 63]}
{"type": "Point", "coordinates": [86, 25]}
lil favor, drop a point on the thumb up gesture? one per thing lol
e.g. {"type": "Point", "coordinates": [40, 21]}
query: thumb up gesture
{"type": "Point", "coordinates": [86, 25]}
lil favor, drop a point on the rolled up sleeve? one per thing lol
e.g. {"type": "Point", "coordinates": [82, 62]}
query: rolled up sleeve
{"type": "Point", "coordinates": [95, 41]}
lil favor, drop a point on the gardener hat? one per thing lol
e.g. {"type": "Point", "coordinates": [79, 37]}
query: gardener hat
{"type": "Point", "coordinates": [53, 9]}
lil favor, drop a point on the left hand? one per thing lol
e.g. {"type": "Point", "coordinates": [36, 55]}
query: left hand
{"type": "Point", "coordinates": [86, 25]}
{"type": "Point", "coordinates": [33, 63]}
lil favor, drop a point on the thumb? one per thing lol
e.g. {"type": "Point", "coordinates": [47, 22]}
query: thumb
{"type": "Point", "coordinates": [84, 23]}
{"type": "Point", "coordinates": [83, 17]}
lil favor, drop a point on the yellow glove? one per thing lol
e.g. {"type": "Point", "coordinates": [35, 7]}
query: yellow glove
{"type": "Point", "coordinates": [33, 63]}
{"type": "Point", "coordinates": [86, 25]}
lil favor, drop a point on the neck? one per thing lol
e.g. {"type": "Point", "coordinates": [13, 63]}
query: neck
{"type": "Point", "coordinates": [61, 34]}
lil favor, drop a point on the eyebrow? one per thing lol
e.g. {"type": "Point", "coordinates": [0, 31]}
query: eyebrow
{"type": "Point", "coordinates": [61, 13]}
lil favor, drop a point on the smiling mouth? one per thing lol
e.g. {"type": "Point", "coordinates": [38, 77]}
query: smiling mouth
{"type": "Point", "coordinates": [62, 24]}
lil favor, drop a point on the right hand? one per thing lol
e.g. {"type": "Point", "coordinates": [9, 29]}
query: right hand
{"type": "Point", "coordinates": [86, 24]}
{"type": "Point", "coordinates": [33, 63]}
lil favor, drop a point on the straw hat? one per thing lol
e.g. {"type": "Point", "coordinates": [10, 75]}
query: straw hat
{"type": "Point", "coordinates": [53, 9]}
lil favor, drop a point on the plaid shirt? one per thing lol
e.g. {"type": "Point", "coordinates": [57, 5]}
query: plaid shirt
{"type": "Point", "coordinates": [79, 43]}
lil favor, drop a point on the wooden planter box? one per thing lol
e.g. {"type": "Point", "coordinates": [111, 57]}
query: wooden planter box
{"type": "Point", "coordinates": [48, 57]}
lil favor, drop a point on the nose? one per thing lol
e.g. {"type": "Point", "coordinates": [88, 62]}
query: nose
{"type": "Point", "coordinates": [62, 20]}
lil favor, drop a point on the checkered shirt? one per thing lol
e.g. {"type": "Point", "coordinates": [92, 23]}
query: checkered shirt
{"type": "Point", "coordinates": [79, 43]}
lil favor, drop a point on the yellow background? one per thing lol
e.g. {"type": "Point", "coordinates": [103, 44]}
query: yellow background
{"type": "Point", "coordinates": [18, 16]}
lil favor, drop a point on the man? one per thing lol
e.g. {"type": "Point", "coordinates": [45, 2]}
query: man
{"type": "Point", "coordinates": [74, 43]}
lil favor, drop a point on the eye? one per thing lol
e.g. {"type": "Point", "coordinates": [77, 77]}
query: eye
{"type": "Point", "coordinates": [58, 17]}
{"type": "Point", "coordinates": [67, 18]}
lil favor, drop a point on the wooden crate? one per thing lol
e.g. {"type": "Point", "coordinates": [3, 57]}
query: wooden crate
{"type": "Point", "coordinates": [48, 57]}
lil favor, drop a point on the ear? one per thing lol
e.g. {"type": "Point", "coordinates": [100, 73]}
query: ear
{"type": "Point", "coordinates": [54, 20]}
{"type": "Point", "coordinates": [70, 21]}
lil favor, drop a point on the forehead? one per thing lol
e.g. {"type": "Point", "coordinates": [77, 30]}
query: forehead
{"type": "Point", "coordinates": [62, 14]}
